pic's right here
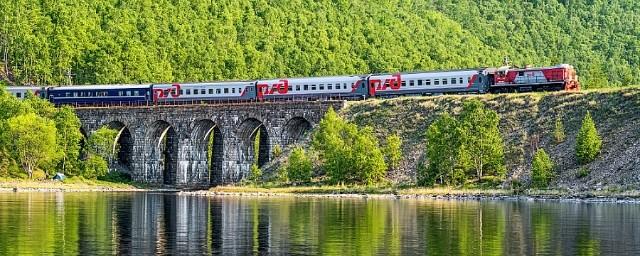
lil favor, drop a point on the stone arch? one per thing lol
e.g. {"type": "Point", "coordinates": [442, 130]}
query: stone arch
{"type": "Point", "coordinates": [164, 153]}
{"type": "Point", "coordinates": [247, 133]}
{"type": "Point", "coordinates": [122, 146]}
{"type": "Point", "coordinates": [208, 150]}
{"type": "Point", "coordinates": [295, 129]}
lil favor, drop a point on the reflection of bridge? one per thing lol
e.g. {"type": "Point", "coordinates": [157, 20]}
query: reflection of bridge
{"type": "Point", "coordinates": [202, 145]}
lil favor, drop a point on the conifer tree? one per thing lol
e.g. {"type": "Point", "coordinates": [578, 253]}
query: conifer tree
{"type": "Point", "coordinates": [541, 169]}
{"type": "Point", "coordinates": [588, 142]}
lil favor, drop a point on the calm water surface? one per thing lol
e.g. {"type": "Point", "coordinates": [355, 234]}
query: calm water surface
{"type": "Point", "coordinates": [166, 223]}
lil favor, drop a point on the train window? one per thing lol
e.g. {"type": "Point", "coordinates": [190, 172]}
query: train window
{"type": "Point", "coordinates": [210, 91]}
{"type": "Point", "coordinates": [427, 82]}
{"type": "Point", "coordinates": [188, 92]}
{"type": "Point", "coordinates": [313, 87]}
{"type": "Point", "coordinates": [345, 86]}
{"type": "Point", "coordinates": [461, 81]}
{"type": "Point", "coordinates": [411, 83]}
{"type": "Point", "coordinates": [128, 93]}
{"type": "Point", "coordinates": [203, 91]}
{"type": "Point", "coordinates": [181, 92]}
{"type": "Point", "coordinates": [329, 87]}
{"type": "Point", "coordinates": [521, 73]}
{"type": "Point", "coordinates": [18, 95]}
{"type": "Point", "coordinates": [75, 94]}
{"type": "Point", "coordinates": [453, 81]}
{"type": "Point", "coordinates": [297, 87]}
{"type": "Point", "coordinates": [321, 87]}
{"type": "Point", "coordinates": [404, 83]}
{"type": "Point", "coordinates": [444, 81]}
{"type": "Point", "coordinates": [195, 91]}
{"type": "Point", "coordinates": [67, 94]}
{"type": "Point", "coordinates": [419, 82]}
{"type": "Point", "coordinates": [136, 93]}
{"type": "Point", "coordinates": [436, 82]}
{"type": "Point", "coordinates": [226, 90]}
{"type": "Point", "coordinates": [217, 91]}
{"type": "Point", "coordinates": [233, 90]}
{"type": "Point", "coordinates": [306, 87]}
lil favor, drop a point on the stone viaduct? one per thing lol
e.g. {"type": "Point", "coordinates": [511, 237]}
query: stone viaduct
{"type": "Point", "coordinates": [196, 146]}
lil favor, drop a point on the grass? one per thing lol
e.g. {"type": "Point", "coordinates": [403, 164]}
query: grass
{"type": "Point", "coordinates": [74, 183]}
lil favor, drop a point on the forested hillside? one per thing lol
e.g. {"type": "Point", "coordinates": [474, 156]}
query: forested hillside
{"type": "Point", "coordinates": [130, 41]}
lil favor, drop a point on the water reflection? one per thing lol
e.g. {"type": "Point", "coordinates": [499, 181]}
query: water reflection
{"type": "Point", "coordinates": [157, 223]}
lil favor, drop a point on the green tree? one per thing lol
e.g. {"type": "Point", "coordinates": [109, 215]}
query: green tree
{"type": "Point", "coordinates": [445, 150]}
{"type": "Point", "coordinates": [558, 131]}
{"type": "Point", "coordinates": [588, 142]}
{"type": "Point", "coordinates": [68, 138]}
{"type": "Point", "coordinates": [541, 169]}
{"type": "Point", "coordinates": [299, 167]}
{"type": "Point", "coordinates": [348, 154]}
{"type": "Point", "coordinates": [255, 174]}
{"type": "Point", "coordinates": [393, 151]}
{"type": "Point", "coordinates": [103, 143]}
{"type": "Point", "coordinates": [482, 138]}
{"type": "Point", "coordinates": [95, 166]}
{"type": "Point", "coordinates": [33, 140]}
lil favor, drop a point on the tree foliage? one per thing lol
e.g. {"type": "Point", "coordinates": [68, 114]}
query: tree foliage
{"type": "Point", "coordinates": [33, 140]}
{"type": "Point", "coordinates": [393, 151]}
{"type": "Point", "coordinates": [541, 169]}
{"type": "Point", "coordinates": [558, 131]}
{"type": "Point", "coordinates": [299, 167]}
{"type": "Point", "coordinates": [98, 41]}
{"type": "Point", "coordinates": [482, 138]}
{"type": "Point", "coordinates": [69, 138]}
{"type": "Point", "coordinates": [102, 143]}
{"type": "Point", "coordinates": [588, 142]}
{"type": "Point", "coordinates": [348, 154]}
{"type": "Point", "coordinates": [445, 151]}
{"type": "Point", "coordinates": [468, 144]}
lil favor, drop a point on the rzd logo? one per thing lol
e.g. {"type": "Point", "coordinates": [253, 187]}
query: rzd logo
{"type": "Point", "coordinates": [160, 93]}
{"type": "Point", "coordinates": [281, 87]}
{"type": "Point", "coordinates": [377, 85]}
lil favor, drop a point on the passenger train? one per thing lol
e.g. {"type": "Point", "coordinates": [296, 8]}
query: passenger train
{"type": "Point", "coordinates": [472, 81]}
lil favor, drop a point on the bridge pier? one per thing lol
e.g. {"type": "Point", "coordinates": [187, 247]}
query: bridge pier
{"type": "Point", "coordinates": [199, 146]}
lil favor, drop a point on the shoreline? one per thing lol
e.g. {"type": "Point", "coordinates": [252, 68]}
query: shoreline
{"type": "Point", "coordinates": [630, 196]}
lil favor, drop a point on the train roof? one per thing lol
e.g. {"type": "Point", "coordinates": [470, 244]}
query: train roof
{"type": "Point", "coordinates": [319, 79]}
{"type": "Point", "coordinates": [103, 87]}
{"type": "Point", "coordinates": [22, 88]}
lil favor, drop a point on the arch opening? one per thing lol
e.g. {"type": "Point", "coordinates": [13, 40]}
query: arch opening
{"type": "Point", "coordinates": [295, 130]}
{"type": "Point", "coordinates": [165, 151]}
{"type": "Point", "coordinates": [121, 147]}
{"type": "Point", "coordinates": [255, 142]}
{"type": "Point", "coordinates": [209, 148]}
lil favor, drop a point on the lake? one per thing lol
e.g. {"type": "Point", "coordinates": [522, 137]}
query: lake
{"type": "Point", "coordinates": [99, 223]}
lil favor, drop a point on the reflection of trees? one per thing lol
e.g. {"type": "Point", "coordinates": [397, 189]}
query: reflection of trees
{"type": "Point", "coordinates": [148, 223]}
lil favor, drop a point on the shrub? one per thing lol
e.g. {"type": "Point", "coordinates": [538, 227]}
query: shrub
{"type": "Point", "coordinates": [541, 169]}
{"type": "Point", "coordinates": [583, 172]}
{"type": "Point", "coordinates": [277, 151]}
{"type": "Point", "coordinates": [393, 151]}
{"type": "Point", "coordinates": [38, 175]}
{"type": "Point", "coordinates": [95, 166]}
{"type": "Point", "coordinates": [115, 176]}
{"type": "Point", "coordinates": [558, 132]}
{"type": "Point", "coordinates": [588, 143]}
{"type": "Point", "coordinates": [299, 166]}
{"type": "Point", "coordinates": [255, 175]}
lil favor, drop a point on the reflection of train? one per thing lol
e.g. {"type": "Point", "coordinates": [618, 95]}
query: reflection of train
{"type": "Point", "coordinates": [504, 79]}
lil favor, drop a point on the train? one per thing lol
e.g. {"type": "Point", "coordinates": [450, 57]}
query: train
{"type": "Point", "coordinates": [469, 81]}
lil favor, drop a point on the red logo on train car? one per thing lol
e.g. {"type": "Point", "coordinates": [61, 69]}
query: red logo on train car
{"type": "Point", "coordinates": [395, 82]}
{"type": "Point", "coordinates": [280, 87]}
{"type": "Point", "coordinates": [160, 93]}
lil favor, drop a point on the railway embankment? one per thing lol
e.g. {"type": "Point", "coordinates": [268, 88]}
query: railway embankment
{"type": "Point", "coordinates": [527, 122]}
